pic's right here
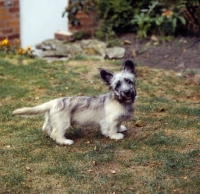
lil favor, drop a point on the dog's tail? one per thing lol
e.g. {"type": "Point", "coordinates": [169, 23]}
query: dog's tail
{"type": "Point", "coordinates": [33, 111]}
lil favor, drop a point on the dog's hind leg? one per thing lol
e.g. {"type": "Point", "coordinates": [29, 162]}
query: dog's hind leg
{"type": "Point", "coordinates": [47, 127]}
{"type": "Point", "coordinates": [58, 133]}
{"type": "Point", "coordinates": [60, 122]}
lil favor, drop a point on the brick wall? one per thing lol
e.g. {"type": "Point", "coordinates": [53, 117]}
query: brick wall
{"type": "Point", "coordinates": [9, 19]}
{"type": "Point", "coordinates": [88, 23]}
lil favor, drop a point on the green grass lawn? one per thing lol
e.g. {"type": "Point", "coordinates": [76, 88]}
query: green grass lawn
{"type": "Point", "coordinates": [160, 153]}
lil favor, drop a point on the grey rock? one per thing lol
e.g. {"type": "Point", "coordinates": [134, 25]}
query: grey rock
{"type": "Point", "coordinates": [75, 49]}
{"type": "Point", "coordinates": [50, 44]}
{"type": "Point", "coordinates": [93, 47]}
{"type": "Point", "coordinates": [115, 52]}
{"type": "Point", "coordinates": [90, 47]}
{"type": "Point", "coordinates": [63, 48]}
{"type": "Point", "coordinates": [54, 53]}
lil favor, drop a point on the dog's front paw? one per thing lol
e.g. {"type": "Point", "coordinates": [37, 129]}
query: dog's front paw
{"type": "Point", "coordinates": [116, 136]}
{"type": "Point", "coordinates": [105, 133]}
{"type": "Point", "coordinates": [122, 128]}
{"type": "Point", "coordinates": [64, 141]}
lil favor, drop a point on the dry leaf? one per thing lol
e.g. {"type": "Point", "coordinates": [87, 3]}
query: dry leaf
{"type": "Point", "coordinates": [127, 42]}
{"type": "Point", "coordinates": [28, 169]}
{"type": "Point", "coordinates": [80, 94]}
{"type": "Point", "coordinates": [148, 44]}
{"type": "Point", "coordinates": [134, 53]}
{"type": "Point", "coordinates": [156, 43]}
{"type": "Point", "coordinates": [139, 123]}
{"type": "Point", "coordinates": [154, 38]}
{"type": "Point", "coordinates": [162, 109]}
{"type": "Point", "coordinates": [113, 171]}
{"type": "Point", "coordinates": [196, 79]}
{"type": "Point", "coordinates": [94, 163]}
{"type": "Point", "coordinates": [180, 66]}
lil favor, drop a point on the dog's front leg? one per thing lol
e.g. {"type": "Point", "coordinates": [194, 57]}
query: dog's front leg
{"type": "Point", "coordinates": [104, 127]}
{"type": "Point", "coordinates": [113, 133]}
{"type": "Point", "coordinates": [122, 128]}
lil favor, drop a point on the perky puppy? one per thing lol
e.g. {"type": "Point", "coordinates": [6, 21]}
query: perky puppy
{"type": "Point", "coordinates": [107, 110]}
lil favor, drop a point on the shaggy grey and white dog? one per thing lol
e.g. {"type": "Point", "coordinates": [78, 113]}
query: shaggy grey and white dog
{"type": "Point", "coordinates": [107, 110]}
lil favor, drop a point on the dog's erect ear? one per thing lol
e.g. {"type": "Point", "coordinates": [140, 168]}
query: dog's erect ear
{"type": "Point", "coordinates": [129, 66]}
{"type": "Point", "coordinates": [106, 76]}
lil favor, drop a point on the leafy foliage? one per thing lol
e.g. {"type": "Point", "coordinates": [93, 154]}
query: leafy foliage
{"type": "Point", "coordinates": [158, 20]}
{"type": "Point", "coordinates": [159, 17]}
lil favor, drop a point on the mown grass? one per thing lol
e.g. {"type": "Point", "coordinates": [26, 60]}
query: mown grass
{"type": "Point", "coordinates": [159, 154]}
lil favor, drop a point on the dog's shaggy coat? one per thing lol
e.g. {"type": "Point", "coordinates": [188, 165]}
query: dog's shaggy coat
{"type": "Point", "coordinates": [108, 110]}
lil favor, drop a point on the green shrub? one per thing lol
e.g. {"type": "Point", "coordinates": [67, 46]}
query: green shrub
{"type": "Point", "coordinates": [143, 17]}
{"type": "Point", "coordinates": [158, 19]}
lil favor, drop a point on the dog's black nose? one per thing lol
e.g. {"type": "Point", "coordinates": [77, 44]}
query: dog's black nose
{"type": "Point", "coordinates": [127, 92]}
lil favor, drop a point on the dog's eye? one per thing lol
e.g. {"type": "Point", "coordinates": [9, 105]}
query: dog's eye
{"type": "Point", "coordinates": [118, 84]}
{"type": "Point", "coordinates": [128, 81]}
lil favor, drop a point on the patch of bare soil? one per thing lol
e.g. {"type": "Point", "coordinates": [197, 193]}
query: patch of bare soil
{"type": "Point", "coordinates": [178, 54]}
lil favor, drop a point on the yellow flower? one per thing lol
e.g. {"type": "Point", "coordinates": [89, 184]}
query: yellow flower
{"type": "Point", "coordinates": [167, 13]}
{"type": "Point", "coordinates": [23, 52]}
{"type": "Point", "coordinates": [19, 51]}
{"type": "Point", "coordinates": [28, 48]}
{"type": "Point", "coordinates": [4, 42]}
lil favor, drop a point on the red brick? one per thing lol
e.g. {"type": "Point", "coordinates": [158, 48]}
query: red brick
{"type": "Point", "coordinates": [6, 17]}
{"type": "Point", "coordinates": [82, 14]}
{"type": "Point", "coordinates": [86, 21]}
{"type": "Point", "coordinates": [63, 35]}
{"type": "Point", "coordinates": [14, 9]}
{"type": "Point", "coordinates": [16, 15]}
{"type": "Point", "coordinates": [13, 23]}
{"type": "Point", "coordinates": [14, 36]}
{"type": "Point", "coordinates": [7, 31]}
{"type": "Point", "coordinates": [2, 38]}
{"type": "Point", "coordinates": [3, 10]}
{"type": "Point", "coordinates": [75, 28]}
{"type": "Point", "coordinates": [2, 24]}
{"type": "Point", "coordinates": [17, 29]}
{"type": "Point", "coordinates": [16, 3]}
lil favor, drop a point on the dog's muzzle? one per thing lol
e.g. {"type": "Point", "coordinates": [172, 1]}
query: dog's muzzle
{"type": "Point", "coordinates": [128, 95]}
